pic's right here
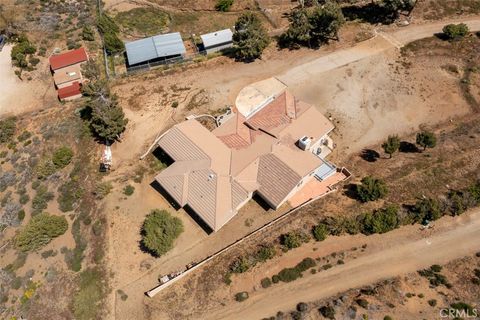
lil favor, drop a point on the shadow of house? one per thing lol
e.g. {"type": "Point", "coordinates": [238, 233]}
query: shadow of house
{"type": "Point", "coordinates": [205, 227]}
{"type": "Point", "coordinates": [155, 185]}
{"type": "Point", "coordinates": [162, 156]}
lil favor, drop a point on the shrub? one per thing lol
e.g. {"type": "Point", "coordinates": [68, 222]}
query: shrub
{"type": "Point", "coordinates": [174, 104]}
{"type": "Point", "coordinates": [62, 157]}
{"type": "Point", "coordinates": [380, 221]}
{"type": "Point", "coordinates": [265, 253]}
{"type": "Point", "coordinates": [432, 302]}
{"type": "Point", "coordinates": [275, 279]}
{"type": "Point", "coordinates": [24, 136]}
{"type": "Point", "coordinates": [39, 231]}
{"type": "Point", "coordinates": [362, 303]}
{"type": "Point", "coordinates": [21, 215]}
{"type": "Point", "coordinates": [7, 129]}
{"type": "Point", "coordinates": [302, 307]}
{"type": "Point", "coordinates": [24, 198]}
{"type": "Point", "coordinates": [266, 282]}
{"type": "Point", "coordinates": [69, 194]}
{"type": "Point", "coordinates": [371, 189]}
{"type": "Point", "coordinates": [159, 231]}
{"type": "Point", "coordinates": [41, 199]}
{"type": "Point", "coordinates": [289, 274]}
{"type": "Point", "coordinates": [240, 265]}
{"type": "Point", "coordinates": [455, 31]}
{"type": "Point", "coordinates": [327, 311]}
{"type": "Point", "coordinates": [305, 264]}
{"type": "Point", "coordinates": [462, 306]}
{"type": "Point", "coordinates": [45, 169]}
{"type": "Point", "coordinates": [122, 295]}
{"type": "Point", "coordinates": [387, 318]}
{"type": "Point", "coordinates": [16, 283]}
{"type": "Point", "coordinates": [223, 5]}
{"type": "Point", "coordinates": [241, 296]}
{"type": "Point", "coordinates": [88, 34]}
{"type": "Point", "coordinates": [128, 190]}
{"type": "Point", "coordinates": [102, 189]}
{"type": "Point", "coordinates": [427, 210]}
{"type": "Point", "coordinates": [436, 268]}
{"type": "Point", "coordinates": [293, 239]}
{"type": "Point", "coordinates": [320, 232]}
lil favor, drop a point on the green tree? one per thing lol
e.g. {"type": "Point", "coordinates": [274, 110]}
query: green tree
{"type": "Point", "coordinates": [371, 189]}
{"type": "Point", "coordinates": [426, 139]}
{"type": "Point", "coordinates": [292, 240]}
{"type": "Point", "coordinates": [223, 5]}
{"type": "Point", "coordinates": [380, 221]}
{"type": "Point", "coordinates": [455, 31]}
{"type": "Point", "coordinates": [159, 231]}
{"type": "Point", "coordinates": [326, 21]}
{"type": "Point", "coordinates": [39, 231]}
{"type": "Point", "coordinates": [427, 209]}
{"type": "Point", "coordinates": [391, 145]}
{"type": "Point", "coordinates": [250, 37]}
{"type": "Point", "coordinates": [299, 30]}
{"type": "Point", "coordinates": [106, 118]}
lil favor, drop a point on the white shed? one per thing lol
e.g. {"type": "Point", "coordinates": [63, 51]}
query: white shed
{"type": "Point", "coordinates": [218, 40]}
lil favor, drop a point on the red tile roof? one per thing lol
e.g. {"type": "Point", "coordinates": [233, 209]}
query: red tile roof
{"type": "Point", "coordinates": [68, 58]}
{"type": "Point", "coordinates": [69, 91]}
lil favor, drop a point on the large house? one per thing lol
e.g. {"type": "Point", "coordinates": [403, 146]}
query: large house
{"type": "Point", "coordinates": [272, 145]}
{"type": "Point", "coordinates": [67, 74]}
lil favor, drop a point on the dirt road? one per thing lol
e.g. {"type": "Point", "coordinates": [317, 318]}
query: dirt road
{"type": "Point", "coordinates": [403, 256]}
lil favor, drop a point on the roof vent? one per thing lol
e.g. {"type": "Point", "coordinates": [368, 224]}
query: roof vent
{"type": "Point", "coordinates": [304, 143]}
{"type": "Point", "coordinates": [211, 176]}
{"type": "Point", "coordinates": [71, 74]}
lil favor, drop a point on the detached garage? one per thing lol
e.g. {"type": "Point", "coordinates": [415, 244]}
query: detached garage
{"type": "Point", "coordinates": [155, 49]}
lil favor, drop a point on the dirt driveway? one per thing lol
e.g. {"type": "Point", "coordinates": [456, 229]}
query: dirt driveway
{"type": "Point", "coordinates": [400, 255]}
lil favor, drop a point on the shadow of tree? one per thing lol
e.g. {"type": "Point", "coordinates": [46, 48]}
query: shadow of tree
{"type": "Point", "coordinates": [370, 155]}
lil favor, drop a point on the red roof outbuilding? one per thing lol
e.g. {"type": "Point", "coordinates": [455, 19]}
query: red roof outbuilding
{"type": "Point", "coordinates": [68, 58]}
{"type": "Point", "coordinates": [69, 91]}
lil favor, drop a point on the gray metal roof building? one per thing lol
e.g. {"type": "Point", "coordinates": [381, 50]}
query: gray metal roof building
{"type": "Point", "coordinates": [217, 40]}
{"type": "Point", "coordinates": [160, 46]}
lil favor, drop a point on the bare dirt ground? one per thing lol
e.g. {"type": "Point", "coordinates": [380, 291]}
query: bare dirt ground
{"type": "Point", "coordinates": [399, 252]}
{"type": "Point", "coordinates": [16, 96]}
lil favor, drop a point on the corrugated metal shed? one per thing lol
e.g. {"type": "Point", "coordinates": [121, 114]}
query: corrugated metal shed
{"type": "Point", "coordinates": [159, 46]}
{"type": "Point", "coordinates": [216, 38]}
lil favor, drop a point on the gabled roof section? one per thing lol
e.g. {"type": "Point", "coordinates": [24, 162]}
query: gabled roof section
{"type": "Point", "coordinates": [216, 38]}
{"type": "Point", "coordinates": [72, 90]}
{"type": "Point", "coordinates": [276, 179]}
{"type": "Point", "coordinates": [68, 58]}
{"type": "Point", "coordinates": [159, 46]}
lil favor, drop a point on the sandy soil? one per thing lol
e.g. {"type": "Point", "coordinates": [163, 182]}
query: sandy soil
{"type": "Point", "coordinates": [16, 96]}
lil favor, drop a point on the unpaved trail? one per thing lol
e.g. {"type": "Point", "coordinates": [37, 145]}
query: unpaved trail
{"type": "Point", "coordinates": [403, 256]}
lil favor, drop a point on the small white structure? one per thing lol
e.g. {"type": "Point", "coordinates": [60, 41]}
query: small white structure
{"type": "Point", "coordinates": [304, 143]}
{"type": "Point", "coordinates": [218, 40]}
